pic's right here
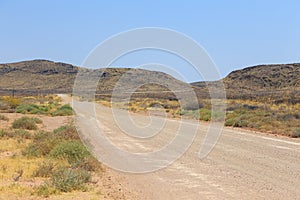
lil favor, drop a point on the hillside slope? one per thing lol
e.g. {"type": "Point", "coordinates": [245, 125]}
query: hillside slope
{"type": "Point", "coordinates": [261, 80]}
{"type": "Point", "coordinates": [37, 76]}
{"type": "Point", "coordinates": [46, 77]}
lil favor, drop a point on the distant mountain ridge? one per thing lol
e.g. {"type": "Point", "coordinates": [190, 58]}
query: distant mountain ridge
{"type": "Point", "coordinates": [47, 77]}
{"type": "Point", "coordinates": [261, 80]}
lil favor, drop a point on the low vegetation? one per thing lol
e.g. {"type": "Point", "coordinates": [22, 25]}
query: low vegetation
{"type": "Point", "coordinates": [55, 162]}
{"type": "Point", "coordinates": [64, 110]}
{"type": "Point", "coordinates": [3, 118]}
{"type": "Point", "coordinates": [296, 133]}
{"type": "Point", "coordinates": [40, 105]}
{"type": "Point", "coordinates": [29, 123]}
{"type": "Point", "coordinates": [73, 151]}
{"type": "Point", "coordinates": [64, 163]}
{"type": "Point", "coordinates": [45, 169]}
{"type": "Point", "coordinates": [51, 109]}
{"type": "Point", "coordinates": [18, 133]}
{"type": "Point", "coordinates": [276, 118]}
{"type": "Point", "coordinates": [272, 118]}
{"type": "Point", "coordinates": [33, 109]}
{"type": "Point", "coordinates": [67, 179]}
{"type": "Point", "coordinates": [8, 103]}
{"type": "Point", "coordinates": [63, 146]}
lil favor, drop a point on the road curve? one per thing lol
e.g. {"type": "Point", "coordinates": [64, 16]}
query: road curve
{"type": "Point", "coordinates": [243, 164]}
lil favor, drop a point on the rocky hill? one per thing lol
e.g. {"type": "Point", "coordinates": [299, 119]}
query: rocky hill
{"type": "Point", "coordinates": [38, 76]}
{"type": "Point", "coordinates": [262, 80]}
{"type": "Point", "coordinates": [46, 77]}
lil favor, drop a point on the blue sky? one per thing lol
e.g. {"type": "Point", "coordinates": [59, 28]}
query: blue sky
{"type": "Point", "coordinates": [236, 34]}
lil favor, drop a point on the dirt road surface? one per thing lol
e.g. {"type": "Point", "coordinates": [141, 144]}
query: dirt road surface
{"type": "Point", "coordinates": [243, 164]}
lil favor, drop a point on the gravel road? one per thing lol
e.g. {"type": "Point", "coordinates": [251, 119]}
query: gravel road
{"type": "Point", "coordinates": [243, 164]}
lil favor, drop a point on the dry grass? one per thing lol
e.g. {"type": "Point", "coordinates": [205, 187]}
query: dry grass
{"type": "Point", "coordinates": [24, 177]}
{"type": "Point", "coordinates": [276, 118]}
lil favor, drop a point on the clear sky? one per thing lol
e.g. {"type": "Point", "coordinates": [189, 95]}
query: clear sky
{"type": "Point", "coordinates": [236, 34]}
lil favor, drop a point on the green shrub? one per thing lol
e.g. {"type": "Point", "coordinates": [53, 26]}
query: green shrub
{"type": "Point", "coordinates": [29, 109]}
{"type": "Point", "coordinates": [45, 169]}
{"type": "Point", "coordinates": [2, 133]}
{"type": "Point", "coordinates": [45, 190]}
{"type": "Point", "coordinates": [229, 122]}
{"type": "Point", "coordinates": [40, 136]}
{"type": "Point", "coordinates": [3, 118]}
{"type": "Point", "coordinates": [90, 164]}
{"type": "Point", "coordinates": [296, 133]}
{"type": "Point", "coordinates": [183, 112]}
{"type": "Point", "coordinates": [28, 123]}
{"type": "Point", "coordinates": [67, 132]}
{"type": "Point", "coordinates": [240, 123]}
{"type": "Point", "coordinates": [67, 180]}
{"type": "Point", "coordinates": [74, 151]}
{"type": "Point", "coordinates": [236, 120]}
{"type": "Point", "coordinates": [64, 110]}
{"type": "Point", "coordinates": [43, 142]}
{"type": "Point", "coordinates": [20, 133]}
{"type": "Point", "coordinates": [31, 151]}
{"type": "Point", "coordinates": [37, 120]}
{"type": "Point", "coordinates": [205, 114]}
{"type": "Point", "coordinates": [217, 115]}
{"type": "Point", "coordinates": [46, 146]}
